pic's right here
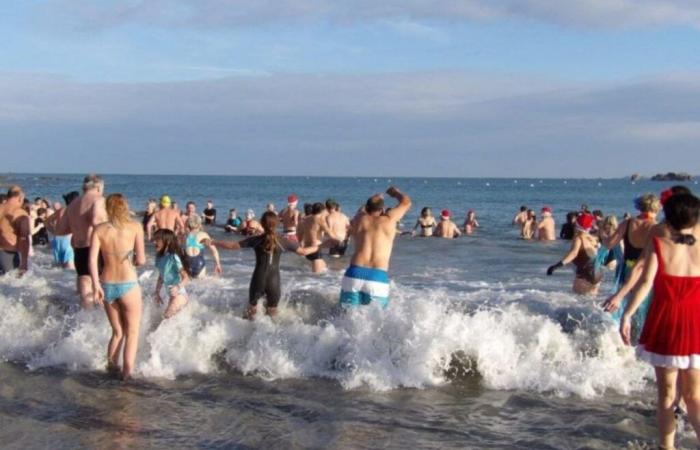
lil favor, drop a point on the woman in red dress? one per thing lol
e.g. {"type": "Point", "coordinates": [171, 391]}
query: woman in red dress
{"type": "Point", "coordinates": [670, 339]}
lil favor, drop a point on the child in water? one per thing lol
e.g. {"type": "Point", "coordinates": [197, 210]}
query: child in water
{"type": "Point", "coordinates": [172, 267]}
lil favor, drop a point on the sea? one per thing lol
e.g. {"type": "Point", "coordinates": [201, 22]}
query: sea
{"type": "Point", "coordinates": [477, 349]}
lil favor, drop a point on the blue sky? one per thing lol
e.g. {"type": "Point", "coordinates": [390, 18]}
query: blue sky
{"type": "Point", "coordinates": [106, 85]}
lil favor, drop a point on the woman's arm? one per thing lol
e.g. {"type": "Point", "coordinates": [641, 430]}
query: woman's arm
{"type": "Point", "coordinates": [227, 245]}
{"type": "Point", "coordinates": [98, 293]}
{"type": "Point", "coordinates": [651, 264]}
{"type": "Point", "coordinates": [159, 285]}
{"type": "Point", "coordinates": [615, 238]}
{"type": "Point", "coordinates": [575, 248]}
{"type": "Point", "coordinates": [214, 253]}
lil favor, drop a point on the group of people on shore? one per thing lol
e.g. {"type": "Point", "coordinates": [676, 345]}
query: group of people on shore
{"type": "Point", "coordinates": [108, 245]}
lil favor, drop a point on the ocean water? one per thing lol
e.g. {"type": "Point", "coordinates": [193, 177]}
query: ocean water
{"type": "Point", "coordinates": [478, 349]}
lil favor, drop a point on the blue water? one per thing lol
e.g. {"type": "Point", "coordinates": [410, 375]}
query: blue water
{"type": "Point", "coordinates": [478, 349]}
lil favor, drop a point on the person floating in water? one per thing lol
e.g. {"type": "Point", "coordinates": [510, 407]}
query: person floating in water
{"type": "Point", "coordinates": [366, 281]}
{"type": "Point", "coordinates": [268, 247]}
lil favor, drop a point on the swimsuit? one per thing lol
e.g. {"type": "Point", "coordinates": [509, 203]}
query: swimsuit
{"type": "Point", "coordinates": [339, 249]}
{"type": "Point", "coordinates": [8, 261]}
{"type": "Point", "coordinates": [196, 263]}
{"type": "Point", "coordinates": [81, 259]}
{"type": "Point", "coordinates": [364, 285]}
{"type": "Point", "coordinates": [62, 250]}
{"type": "Point", "coordinates": [671, 336]}
{"type": "Point", "coordinates": [115, 291]}
{"type": "Point", "coordinates": [169, 266]}
{"type": "Point", "coordinates": [314, 256]}
{"type": "Point", "coordinates": [586, 267]}
{"type": "Point", "coordinates": [266, 275]}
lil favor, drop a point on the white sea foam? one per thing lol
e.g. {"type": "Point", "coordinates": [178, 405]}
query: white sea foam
{"type": "Point", "coordinates": [513, 338]}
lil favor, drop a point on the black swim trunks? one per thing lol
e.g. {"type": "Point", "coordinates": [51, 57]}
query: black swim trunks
{"type": "Point", "coordinates": [339, 249]}
{"type": "Point", "coordinates": [314, 256]}
{"type": "Point", "coordinates": [81, 259]}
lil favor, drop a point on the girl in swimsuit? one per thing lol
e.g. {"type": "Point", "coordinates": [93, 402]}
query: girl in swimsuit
{"type": "Point", "coordinates": [172, 264]}
{"type": "Point", "coordinates": [195, 241]}
{"type": "Point", "coordinates": [119, 242]}
{"type": "Point", "coordinates": [266, 275]}
{"type": "Point", "coordinates": [583, 254]}
{"type": "Point", "coordinates": [426, 222]}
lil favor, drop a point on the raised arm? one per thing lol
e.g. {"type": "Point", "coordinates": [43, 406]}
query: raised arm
{"type": "Point", "coordinates": [403, 206]}
{"type": "Point", "coordinates": [651, 264]}
{"type": "Point", "coordinates": [227, 245]}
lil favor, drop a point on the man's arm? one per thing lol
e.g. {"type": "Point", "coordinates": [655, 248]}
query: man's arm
{"type": "Point", "coordinates": [24, 235]}
{"type": "Point", "coordinates": [402, 208]}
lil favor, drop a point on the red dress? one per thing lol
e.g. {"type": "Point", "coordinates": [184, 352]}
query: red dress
{"type": "Point", "coordinates": [671, 333]}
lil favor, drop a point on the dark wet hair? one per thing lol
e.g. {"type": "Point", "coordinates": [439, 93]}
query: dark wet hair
{"type": "Point", "coordinates": [680, 189]}
{"type": "Point", "coordinates": [332, 204]}
{"type": "Point", "coordinates": [40, 211]}
{"type": "Point", "coordinates": [523, 208]}
{"type": "Point", "coordinates": [425, 211]}
{"type": "Point", "coordinates": [598, 213]}
{"type": "Point", "coordinates": [14, 191]}
{"type": "Point", "coordinates": [3, 198]}
{"type": "Point", "coordinates": [681, 211]}
{"type": "Point", "coordinates": [171, 245]}
{"type": "Point", "coordinates": [308, 207]}
{"type": "Point", "coordinates": [571, 216]}
{"type": "Point", "coordinates": [69, 197]}
{"type": "Point", "coordinates": [317, 208]}
{"type": "Point", "coordinates": [269, 222]}
{"type": "Point", "coordinates": [374, 204]}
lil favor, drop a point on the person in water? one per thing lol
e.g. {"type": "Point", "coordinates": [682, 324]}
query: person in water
{"type": "Point", "coordinates": [634, 234]}
{"type": "Point", "coordinates": [447, 228]}
{"type": "Point", "coordinates": [670, 338]}
{"type": "Point", "coordinates": [233, 224]}
{"type": "Point", "coordinates": [313, 230]}
{"type": "Point", "coordinates": [250, 226]}
{"type": "Point", "coordinates": [172, 266]}
{"type": "Point", "coordinates": [546, 226]}
{"type": "Point", "coordinates": [470, 222]}
{"type": "Point", "coordinates": [568, 229]}
{"type": "Point", "coordinates": [195, 242]}
{"type": "Point", "coordinates": [615, 257]}
{"type": "Point", "coordinates": [426, 223]}
{"type": "Point", "coordinates": [366, 281]}
{"type": "Point", "coordinates": [166, 218]}
{"type": "Point", "coordinates": [290, 218]}
{"type": "Point", "coordinates": [339, 224]}
{"type": "Point", "coordinates": [151, 208]}
{"type": "Point", "coordinates": [40, 234]}
{"type": "Point", "coordinates": [583, 254]}
{"type": "Point", "coordinates": [81, 217]}
{"type": "Point", "coordinates": [528, 227]}
{"type": "Point", "coordinates": [268, 247]}
{"type": "Point", "coordinates": [209, 213]}
{"type": "Point", "coordinates": [613, 302]}
{"type": "Point", "coordinates": [520, 217]}
{"type": "Point", "coordinates": [119, 243]}
{"type": "Point", "coordinates": [60, 245]}
{"type": "Point", "coordinates": [15, 232]}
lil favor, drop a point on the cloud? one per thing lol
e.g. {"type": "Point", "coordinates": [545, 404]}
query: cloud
{"type": "Point", "coordinates": [239, 13]}
{"type": "Point", "coordinates": [401, 124]}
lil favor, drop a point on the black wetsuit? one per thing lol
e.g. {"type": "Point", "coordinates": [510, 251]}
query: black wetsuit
{"type": "Point", "coordinates": [146, 218]}
{"type": "Point", "coordinates": [266, 276]}
{"type": "Point", "coordinates": [567, 231]}
{"type": "Point", "coordinates": [211, 212]}
{"type": "Point", "coordinates": [41, 237]}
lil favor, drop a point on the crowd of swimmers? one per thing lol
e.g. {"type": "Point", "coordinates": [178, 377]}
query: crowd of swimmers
{"type": "Point", "coordinates": [99, 238]}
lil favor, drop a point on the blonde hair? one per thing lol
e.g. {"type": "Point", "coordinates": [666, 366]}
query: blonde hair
{"type": "Point", "coordinates": [648, 203]}
{"type": "Point", "coordinates": [194, 222]}
{"type": "Point", "coordinates": [117, 210]}
{"type": "Point", "coordinates": [610, 224]}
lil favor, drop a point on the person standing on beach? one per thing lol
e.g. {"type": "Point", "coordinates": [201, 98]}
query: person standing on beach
{"type": "Point", "coordinates": [447, 228]}
{"type": "Point", "coordinates": [366, 280]}
{"type": "Point", "coordinates": [81, 217]}
{"type": "Point", "coordinates": [15, 232]}
{"type": "Point", "coordinates": [546, 227]}
{"type": "Point", "coordinates": [290, 218]}
{"type": "Point", "coordinates": [166, 218]}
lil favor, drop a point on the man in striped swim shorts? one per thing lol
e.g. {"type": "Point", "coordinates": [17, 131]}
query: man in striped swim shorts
{"type": "Point", "coordinates": [373, 230]}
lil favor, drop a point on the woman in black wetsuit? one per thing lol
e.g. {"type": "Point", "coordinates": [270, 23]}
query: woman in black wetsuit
{"type": "Point", "coordinates": [266, 276]}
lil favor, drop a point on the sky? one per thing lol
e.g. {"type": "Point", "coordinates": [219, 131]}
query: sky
{"type": "Point", "coordinates": [463, 88]}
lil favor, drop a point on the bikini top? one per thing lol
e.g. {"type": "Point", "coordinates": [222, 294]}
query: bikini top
{"type": "Point", "coordinates": [631, 253]}
{"type": "Point", "coordinates": [192, 242]}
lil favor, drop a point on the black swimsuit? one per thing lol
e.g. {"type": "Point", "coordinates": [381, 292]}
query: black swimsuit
{"type": "Point", "coordinates": [631, 253]}
{"type": "Point", "coordinates": [266, 276]}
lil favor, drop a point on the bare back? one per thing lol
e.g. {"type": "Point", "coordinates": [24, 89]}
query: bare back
{"type": "Point", "coordinates": [312, 231]}
{"type": "Point", "coordinates": [289, 218]}
{"type": "Point", "coordinates": [546, 229]}
{"type": "Point", "coordinates": [679, 259]}
{"type": "Point", "coordinates": [119, 247]}
{"type": "Point", "coordinates": [446, 229]}
{"type": "Point", "coordinates": [9, 226]}
{"type": "Point", "coordinates": [639, 231]}
{"type": "Point", "coordinates": [374, 241]}
{"type": "Point", "coordinates": [166, 219]}
{"type": "Point", "coordinates": [82, 215]}
{"type": "Point", "coordinates": [338, 223]}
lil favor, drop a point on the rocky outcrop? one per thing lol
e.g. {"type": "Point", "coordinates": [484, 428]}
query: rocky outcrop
{"type": "Point", "coordinates": [672, 176]}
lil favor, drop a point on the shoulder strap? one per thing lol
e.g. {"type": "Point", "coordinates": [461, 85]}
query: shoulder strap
{"type": "Point", "coordinates": [657, 250]}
